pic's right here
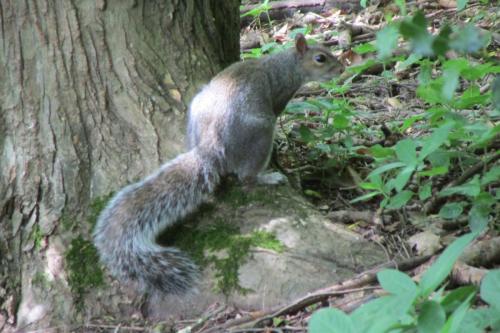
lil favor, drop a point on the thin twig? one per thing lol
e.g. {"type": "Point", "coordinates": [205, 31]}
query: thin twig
{"type": "Point", "coordinates": [130, 328]}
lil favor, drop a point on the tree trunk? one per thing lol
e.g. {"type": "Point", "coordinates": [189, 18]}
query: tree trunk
{"type": "Point", "coordinates": [92, 96]}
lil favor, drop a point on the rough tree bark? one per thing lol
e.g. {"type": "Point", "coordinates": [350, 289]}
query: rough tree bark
{"type": "Point", "coordinates": [92, 96]}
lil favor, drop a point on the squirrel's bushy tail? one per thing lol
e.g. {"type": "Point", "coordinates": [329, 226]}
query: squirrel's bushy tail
{"type": "Point", "coordinates": [127, 228]}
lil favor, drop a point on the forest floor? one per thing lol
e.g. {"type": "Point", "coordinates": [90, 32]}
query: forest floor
{"type": "Point", "coordinates": [403, 149]}
{"type": "Point", "coordinates": [355, 147]}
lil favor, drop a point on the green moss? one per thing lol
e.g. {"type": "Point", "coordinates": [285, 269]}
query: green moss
{"type": "Point", "coordinates": [37, 237]}
{"type": "Point", "coordinates": [237, 196]}
{"type": "Point", "coordinates": [66, 222]}
{"type": "Point", "coordinates": [96, 206]}
{"type": "Point", "coordinates": [82, 259]}
{"type": "Point", "coordinates": [40, 280]}
{"type": "Point", "coordinates": [84, 271]}
{"type": "Point", "coordinates": [267, 240]}
{"type": "Point", "coordinates": [69, 221]}
{"type": "Point", "coordinates": [222, 245]}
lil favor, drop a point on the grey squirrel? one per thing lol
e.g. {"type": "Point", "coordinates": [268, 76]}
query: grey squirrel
{"type": "Point", "coordinates": [230, 131]}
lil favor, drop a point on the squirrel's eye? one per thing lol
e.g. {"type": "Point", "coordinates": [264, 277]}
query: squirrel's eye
{"type": "Point", "coordinates": [320, 58]}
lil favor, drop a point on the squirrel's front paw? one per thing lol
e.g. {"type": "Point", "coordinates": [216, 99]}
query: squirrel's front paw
{"type": "Point", "coordinates": [272, 178]}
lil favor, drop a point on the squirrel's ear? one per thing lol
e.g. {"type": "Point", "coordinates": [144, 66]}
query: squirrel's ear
{"type": "Point", "coordinates": [301, 44]}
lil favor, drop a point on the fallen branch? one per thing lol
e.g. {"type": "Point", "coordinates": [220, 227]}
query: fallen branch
{"type": "Point", "coordinates": [486, 252]}
{"type": "Point", "coordinates": [351, 216]}
{"type": "Point", "coordinates": [280, 10]}
{"type": "Point", "coordinates": [463, 274]}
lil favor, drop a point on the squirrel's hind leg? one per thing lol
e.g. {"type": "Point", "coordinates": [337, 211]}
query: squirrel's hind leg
{"type": "Point", "coordinates": [253, 159]}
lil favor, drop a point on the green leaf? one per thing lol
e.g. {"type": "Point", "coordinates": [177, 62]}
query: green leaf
{"type": "Point", "coordinates": [365, 197]}
{"type": "Point", "coordinates": [458, 64]}
{"type": "Point", "coordinates": [402, 6]}
{"type": "Point", "coordinates": [400, 199]}
{"type": "Point", "coordinates": [364, 48]}
{"type": "Point", "coordinates": [436, 274]}
{"type": "Point", "coordinates": [490, 288]}
{"type": "Point", "coordinates": [471, 189]}
{"type": "Point", "coordinates": [478, 320]}
{"type": "Point", "coordinates": [270, 47]}
{"type": "Point", "coordinates": [478, 217]}
{"type": "Point", "coordinates": [377, 151]}
{"type": "Point", "coordinates": [323, 147]}
{"type": "Point", "coordinates": [385, 168]}
{"type": "Point", "coordinates": [493, 175]}
{"type": "Point", "coordinates": [262, 8]}
{"type": "Point", "coordinates": [396, 282]}
{"type": "Point", "coordinates": [469, 39]}
{"type": "Point", "coordinates": [480, 71]}
{"type": "Point", "coordinates": [313, 194]}
{"type": "Point", "coordinates": [439, 170]}
{"type": "Point", "coordinates": [485, 198]}
{"type": "Point", "coordinates": [470, 97]}
{"type": "Point", "coordinates": [412, 58]}
{"type": "Point", "coordinates": [306, 134]}
{"type": "Point", "coordinates": [330, 321]}
{"type": "Point", "coordinates": [461, 4]}
{"type": "Point", "coordinates": [388, 74]}
{"type": "Point", "coordinates": [387, 41]}
{"type": "Point", "coordinates": [415, 30]}
{"type": "Point", "coordinates": [410, 121]}
{"type": "Point", "coordinates": [341, 122]}
{"type": "Point", "coordinates": [440, 45]}
{"type": "Point", "coordinates": [376, 179]}
{"type": "Point", "coordinates": [425, 74]}
{"type": "Point", "coordinates": [437, 138]}
{"type": "Point", "coordinates": [369, 186]}
{"type": "Point", "coordinates": [406, 151]}
{"type": "Point", "coordinates": [431, 317]}
{"type": "Point", "coordinates": [456, 297]}
{"type": "Point", "coordinates": [487, 136]}
{"type": "Point", "coordinates": [451, 210]}
{"type": "Point", "coordinates": [381, 314]}
{"type": "Point", "coordinates": [431, 92]}
{"type": "Point", "coordinates": [358, 69]}
{"type": "Point", "coordinates": [440, 158]}
{"type": "Point", "coordinates": [450, 83]}
{"type": "Point", "coordinates": [425, 191]}
{"type": "Point", "coordinates": [453, 323]}
{"type": "Point", "coordinates": [403, 177]}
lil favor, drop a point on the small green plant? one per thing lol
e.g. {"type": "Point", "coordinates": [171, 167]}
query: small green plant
{"type": "Point", "coordinates": [273, 47]}
{"type": "Point", "coordinates": [407, 170]}
{"type": "Point", "coordinates": [326, 127]}
{"type": "Point", "coordinates": [423, 307]}
{"type": "Point", "coordinates": [256, 12]}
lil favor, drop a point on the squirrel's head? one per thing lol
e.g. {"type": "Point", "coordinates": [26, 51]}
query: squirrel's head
{"type": "Point", "coordinates": [318, 63]}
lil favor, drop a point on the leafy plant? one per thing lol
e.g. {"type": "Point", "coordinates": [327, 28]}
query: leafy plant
{"type": "Point", "coordinates": [420, 307]}
{"type": "Point", "coordinates": [453, 137]}
{"type": "Point", "coordinates": [256, 12]}
{"type": "Point", "coordinates": [332, 118]}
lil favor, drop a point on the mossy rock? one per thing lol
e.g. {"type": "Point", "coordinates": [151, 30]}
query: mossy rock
{"type": "Point", "coordinates": [263, 247]}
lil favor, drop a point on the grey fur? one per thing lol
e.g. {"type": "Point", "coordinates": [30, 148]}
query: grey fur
{"type": "Point", "coordinates": [230, 130]}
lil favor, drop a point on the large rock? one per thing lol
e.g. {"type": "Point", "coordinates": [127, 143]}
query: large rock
{"type": "Point", "coordinates": [255, 269]}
